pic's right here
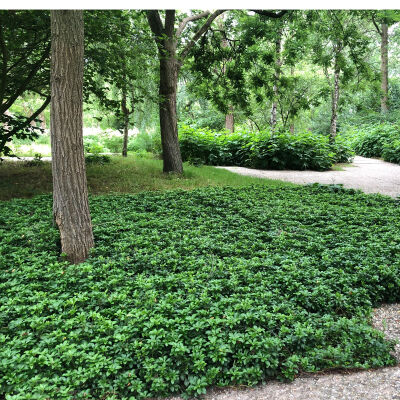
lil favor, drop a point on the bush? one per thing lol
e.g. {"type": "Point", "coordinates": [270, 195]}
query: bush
{"type": "Point", "coordinates": [113, 143]}
{"type": "Point", "coordinates": [93, 144]}
{"type": "Point", "coordinates": [343, 150]}
{"type": "Point", "coordinates": [144, 141]}
{"type": "Point", "coordinates": [371, 140]}
{"type": "Point", "coordinates": [391, 151]}
{"type": "Point", "coordinates": [261, 150]}
{"type": "Point", "coordinates": [189, 289]}
{"type": "Point", "coordinates": [97, 159]}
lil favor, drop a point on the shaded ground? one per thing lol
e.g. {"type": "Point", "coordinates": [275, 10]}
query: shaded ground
{"type": "Point", "coordinates": [367, 174]}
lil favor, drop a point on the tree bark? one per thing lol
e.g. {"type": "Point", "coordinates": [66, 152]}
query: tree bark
{"type": "Point", "coordinates": [230, 121]}
{"type": "Point", "coordinates": [384, 68]}
{"type": "Point", "coordinates": [70, 194]}
{"type": "Point", "coordinates": [125, 113]}
{"type": "Point", "coordinates": [335, 101]}
{"type": "Point", "coordinates": [166, 40]}
{"type": "Point", "coordinates": [278, 63]}
{"type": "Point", "coordinates": [169, 69]}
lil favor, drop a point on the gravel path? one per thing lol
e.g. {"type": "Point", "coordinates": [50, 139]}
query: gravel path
{"type": "Point", "coordinates": [367, 174]}
{"type": "Point", "coordinates": [371, 176]}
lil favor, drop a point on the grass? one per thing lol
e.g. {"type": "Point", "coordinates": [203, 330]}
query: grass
{"type": "Point", "coordinates": [122, 175]}
{"type": "Point", "coordinates": [190, 289]}
{"type": "Point", "coordinates": [341, 166]}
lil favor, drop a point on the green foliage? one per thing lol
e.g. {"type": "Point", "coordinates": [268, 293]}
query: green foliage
{"type": "Point", "coordinates": [343, 150]}
{"type": "Point", "coordinates": [391, 151]}
{"type": "Point", "coordinates": [370, 141]}
{"type": "Point", "coordinates": [15, 127]}
{"type": "Point", "coordinates": [185, 290]}
{"type": "Point", "coordinates": [262, 149]}
{"type": "Point", "coordinates": [146, 141]}
{"type": "Point", "coordinates": [97, 158]}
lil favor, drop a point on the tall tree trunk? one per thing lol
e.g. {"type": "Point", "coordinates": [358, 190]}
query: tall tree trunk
{"type": "Point", "coordinates": [169, 69]}
{"type": "Point", "coordinates": [335, 101]}
{"type": "Point", "coordinates": [278, 63]}
{"type": "Point", "coordinates": [291, 128]}
{"type": "Point", "coordinates": [125, 113]}
{"type": "Point", "coordinates": [230, 121]}
{"type": "Point", "coordinates": [70, 194]}
{"type": "Point", "coordinates": [229, 118]}
{"type": "Point", "coordinates": [384, 68]}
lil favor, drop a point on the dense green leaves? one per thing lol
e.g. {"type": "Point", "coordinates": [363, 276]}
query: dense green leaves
{"type": "Point", "coordinates": [190, 289]}
{"type": "Point", "coordinates": [264, 150]}
{"type": "Point", "coordinates": [380, 140]}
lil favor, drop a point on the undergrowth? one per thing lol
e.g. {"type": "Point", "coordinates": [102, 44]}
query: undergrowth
{"type": "Point", "coordinates": [216, 286]}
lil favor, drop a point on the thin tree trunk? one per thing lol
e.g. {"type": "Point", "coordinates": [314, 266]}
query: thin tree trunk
{"type": "Point", "coordinates": [384, 68]}
{"type": "Point", "coordinates": [125, 113]}
{"type": "Point", "coordinates": [169, 69]}
{"type": "Point", "coordinates": [335, 101]}
{"type": "Point", "coordinates": [229, 118]}
{"type": "Point", "coordinates": [230, 121]}
{"type": "Point", "coordinates": [291, 128]}
{"type": "Point", "coordinates": [278, 62]}
{"type": "Point", "coordinates": [70, 194]}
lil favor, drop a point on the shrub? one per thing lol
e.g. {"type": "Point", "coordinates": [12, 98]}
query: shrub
{"type": "Point", "coordinates": [260, 150]}
{"type": "Point", "coordinates": [343, 150]}
{"type": "Point", "coordinates": [370, 140]}
{"type": "Point", "coordinates": [113, 143]}
{"type": "Point", "coordinates": [144, 141]}
{"type": "Point", "coordinates": [97, 159]}
{"type": "Point", "coordinates": [188, 289]}
{"type": "Point", "coordinates": [391, 151]}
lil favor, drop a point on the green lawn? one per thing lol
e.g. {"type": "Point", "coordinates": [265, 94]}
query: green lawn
{"type": "Point", "coordinates": [190, 289]}
{"type": "Point", "coordinates": [122, 175]}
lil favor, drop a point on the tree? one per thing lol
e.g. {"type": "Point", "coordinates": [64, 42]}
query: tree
{"type": "Point", "coordinates": [340, 47]}
{"type": "Point", "coordinates": [70, 194]}
{"type": "Point", "coordinates": [120, 62]}
{"type": "Point", "coordinates": [167, 38]}
{"type": "Point", "coordinates": [384, 19]}
{"type": "Point", "coordinates": [24, 57]}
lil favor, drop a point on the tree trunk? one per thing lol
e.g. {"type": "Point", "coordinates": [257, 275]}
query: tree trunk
{"type": "Point", "coordinates": [384, 68]}
{"type": "Point", "coordinates": [70, 194]}
{"type": "Point", "coordinates": [335, 101]}
{"type": "Point", "coordinates": [169, 69]}
{"type": "Point", "coordinates": [278, 63]}
{"type": "Point", "coordinates": [230, 121]}
{"type": "Point", "coordinates": [229, 118]}
{"type": "Point", "coordinates": [125, 113]}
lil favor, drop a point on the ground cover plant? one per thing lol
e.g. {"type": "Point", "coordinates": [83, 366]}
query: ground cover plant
{"type": "Point", "coordinates": [265, 150]}
{"type": "Point", "coordinates": [187, 289]}
{"type": "Point", "coordinates": [122, 175]}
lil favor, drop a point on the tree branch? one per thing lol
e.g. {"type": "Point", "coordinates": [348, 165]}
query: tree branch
{"type": "Point", "coordinates": [169, 22]}
{"type": "Point", "coordinates": [156, 26]}
{"type": "Point", "coordinates": [270, 14]}
{"type": "Point", "coordinates": [376, 25]}
{"type": "Point", "coordinates": [39, 110]}
{"type": "Point", "coordinates": [189, 19]}
{"type": "Point", "coordinates": [26, 81]}
{"type": "Point", "coordinates": [199, 33]}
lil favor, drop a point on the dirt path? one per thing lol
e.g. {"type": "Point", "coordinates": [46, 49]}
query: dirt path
{"type": "Point", "coordinates": [367, 174]}
{"type": "Point", "coordinates": [371, 176]}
